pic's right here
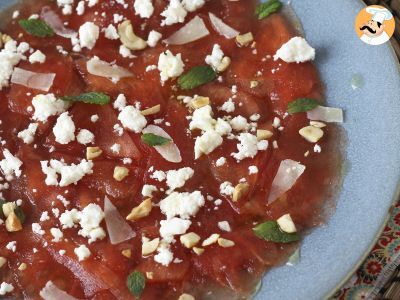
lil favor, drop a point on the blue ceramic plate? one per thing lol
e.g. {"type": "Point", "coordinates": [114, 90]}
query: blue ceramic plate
{"type": "Point", "coordinates": [331, 253]}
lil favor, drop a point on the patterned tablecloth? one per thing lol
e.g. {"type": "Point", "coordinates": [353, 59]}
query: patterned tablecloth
{"type": "Point", "coordinates": [388, 245]}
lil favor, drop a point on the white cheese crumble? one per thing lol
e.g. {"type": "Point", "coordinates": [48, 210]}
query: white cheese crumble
{"type": "Point", "coordinates": [111, 32]}
{"type": "Point", "coordinates": [193, 5]}
{"type": "Point", "coordinates": [46, 106]}
{"type": "Point", "coordinates": [164, 255]}
{"type": "Point", "coordinates": [226, 188]}
{"type": "Point", "coordinates": [159, 175]}
{"type": "Point", "coordinates": [57, 234]}
{"type": "Point", "coordinates": [132, 119]}
{"type": "Point", "coordinates": [10, 165]}
{"type": "Point", "coordinates": [174, 13]}
{"type": "Point", "coordinates": [183, 205]}
{"type": "Point", "coordinates": [120, 102]}
{"type": "Point", "coordinates": [228, 106]}
{"type": "Point", "coordinates": [64, 130]}
{"type": "Point", "coordinates": [143, 8]}
{"type": "Point", "coordinates": [85, 137]}
{"type": "Point", "coordinates": [12, 246]}
{"type": "Point", "coordinates": [115, 148]}
{"type": "Point", "coordinates": [28, 135]}
{"type": "Point", "coordinates": [207, 143]}
{"type": "Point", "coordinates": [90, 218]}
{"type": "Point", "coordinates": [88, 35]}
{"type": "Point", "coordinates": [69, 173]}
{"type": "Point", "coordinates": [148, 190]}
{"type": "Point", "coordinates": [6, 288]}
{"type": "Point", "coordinates": [82, 252]}
{"type": "Point", "coordinates": [220, 162]}
{"type": "Point", "coordinates": [253, 170]}
{"type": "Point", "coordinates": [239, 123]}
{"type": "Point", "coordinates": [295, 50]}
{"type": "Point", "coordinates": [37, 57]}
{"type": "Point", "coordinates": [36, 228]}
{"type": "Point", "coordinates": [9, 58]}
{"type": "Point", "coordinates": [215, 59]}
{"type": "Point", "coordinates": [224, 226]}
{"type": "Point", "coordinates": [178, 178]}
{"type": "Point", "coordinates": [202, 119]}
{"type": "Point", "coordinates": [248, 146]}
{"type": "Point", "coordinates": [174, 226]}
{"type": "Point", "coordinates": [170, 66]}
{"type": "Point", "coordinates": [153, 38]}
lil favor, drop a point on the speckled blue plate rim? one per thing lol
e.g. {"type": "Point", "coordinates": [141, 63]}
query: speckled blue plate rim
{"type": "Point", "coordinates": [332, 252]}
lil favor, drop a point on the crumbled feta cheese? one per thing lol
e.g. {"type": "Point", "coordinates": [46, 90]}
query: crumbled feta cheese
{"type": "Point", "coordinates": [12, 246]}
{"type": "Point", "coordinates": [80, 8]}
{"type": "Point", "coordinates": [143, 8]}
{"type": "Point", "coordinates": [44, 216]}
{"type": "Point", "coordinates": [174, 13]}
{"type": "Point", "coordinates": [215, 59]}
{"type": "Point", "coordinates": [226, 188]}
{"type": "Point", "coordinates": [85, 137]}
{"type": "Point", "coordinates": [10, 165]}
{"type": "Point", "coordinates": [148, 190]}
{"type": "Point", "coordinates": [132, 119]}
{"type": "Point", "coordinates": [64, 130]}
{"type": "Point", "coordinates": [94, 118]}
{"type": "Point", "coordinates": [125, 52]}
{"type": "Point", "coordinates": [202, 119]}
{"type": "Point", "coordinates": [120, 102]}
{"type": "Point", "coordinates": [248, 146]}
{"type": "Point", "coordinates": [183, 205]}
{"type": "Point", "coordinates": [115, 148]}
{"type": "Point", "coordinates": [193, 5]}
{"type": "Point", "coordinates": [46, 106]}
{"type": "Point", "coordinates": [178, 178]}
{"type": "Point", "coordinates": [164, 255]}
{"type": "Point", "coordinates": [111, 32]}
{"type": "Point", "coordinates": [36, 228]}
{"type": "Point", "coordinates": [170, 66]}
{"type": "Point", "coordinates": [82, 252]}
{"type": "Point", "coordinates": [88, 35]}
{"type": "Point", "coordinates": [224, 226]}
{"type": "Point", "coordinates": [220, 161]}
{"type": "Point", "coordinates": [37, 57]}
{"type": "Point", "coordinates": [239, 123]}
{"type": "Point", "coordinates": [253, 170]}
{"type": "Point", "coordinates": [295, 50]}
{"type": "Point", "coordinates": [159, 175]}
{"type": "Point", "coordinates": [223, 127]}
{"type": "Point", "coordinates": [69, 218]}
{"type": "Point", "coordinates": [69, 173]}
{"type": "Point", "coordinates": [6, 288]}
{"type": "Point", "coordinates": [317, 148]}
{"type": "Point", "coordinates": [174, 226]}
{"type": "Point", "coordinates": [28, 135]}
{"type": "Point", "coordinates": [207, 143]}
{"type": "Point", "coordinates": [153, 38]}
{"type": "Point", "coordinates": [90, 219]}
{"type": "Point", "coordinates": [228, 106]}
{"type": "Point", "coordinates": [9, 58]}
{"type": "Point", "coordinates": [57, 234]}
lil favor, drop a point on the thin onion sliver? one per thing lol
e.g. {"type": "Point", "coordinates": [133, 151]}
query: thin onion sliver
{"type": "Point", "coordinates": [222, 28]}
{"type": "Point", "coordinates": [38, 81]}
{"type": "Point", "coordinates": [102, 68]}
{"type": "Point", "coordinates": [52, 292]}
{"type": "Point", "coordinates": [54, 21]}
{"type": "Point", "coordinates": [326, 114]}
{"type": "Point", "coordinates": [192, 31]}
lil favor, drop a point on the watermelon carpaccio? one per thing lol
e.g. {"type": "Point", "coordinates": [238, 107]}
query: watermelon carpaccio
{"type": "Point", "coordinates": [212, 150]}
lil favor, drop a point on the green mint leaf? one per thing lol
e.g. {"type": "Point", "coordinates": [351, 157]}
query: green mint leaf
{"type": "Point", "coordinates": [136, 283]}
{"type": "Point", "coordinates": [36, 27]}
{"type": "Point", "coordinates": [1, 208]}
{"type": "Point", "coordinates": [20, 214]}
{"type": "Point", "coordinates": [196, 76]}
{"type": "Point", "coordinates": [302, 105]}
{"type": "Point", "coordinates": [263, 10]}
{"type": "Point", "coordinates": [91, 98]}
{"type": "Point", "coordinates": [271, 232]}
{"type": "Point", "coordinates": [154, 140]}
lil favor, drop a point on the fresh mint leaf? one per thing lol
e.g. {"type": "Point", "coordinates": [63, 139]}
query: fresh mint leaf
{"type": "Point", "coordinates": [91, 98]}
{"type": "Point", "coordinates": [196, 76]}
{"type": "Point", "coordinates": [302, 105]}
{"type": "Point", "coordinates": [36, 27]}
{"type": "Point", "coordinates": [154, 140]}
{"type": "Point", "coordinates": [136, 283]}
{"type": "Point", "coordinates": [271, 232]}
{"type": "Point", "coordinates": [20, 214]}
{"type": "Point", "coordinates": [263, 10]}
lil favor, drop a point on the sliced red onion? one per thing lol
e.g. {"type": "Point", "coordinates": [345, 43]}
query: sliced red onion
{"type": "Point", "coordinates": [38, 81]}
{"type": "Point", "coordinates": [118, 229]}
{"type": "Point", "coordinates": [288, 173]}
{"type": "Point", "coordinates": [326, 114]}
{"type": "Point", "coordinates": [52, 292]}
{"type": "Point", "coordinates": [222, 28]}
{"type": "Point", "coordinates": [101, 68]}
{"type": "Point", "coordinates": [54, 21]}
{"type": "Point", "coordinates": [170, 151]}
{"type": "Point", "coordinates": [192, 31]}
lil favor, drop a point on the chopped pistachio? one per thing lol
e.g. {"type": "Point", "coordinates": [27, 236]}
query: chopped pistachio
{"type": "Point", "coordinates": [317, 124]}
{"type": "Point", "coordinates": [13, 223]}
{"type": "Point", "coordinates": [240, 190]}
{"type": "Point", "coordinates": [4, 38]}
{"type": "Point", "coordinates": [225, 63]}
{"type": "Point", "coordinates": [199, 102]}
{"type": "Point", "coordinates": [186, 297]}
{"type": "Point", "coordinates": [210, 240]}
{"type": "Point", "coordinates": [120, 173]}
{"type": "Point", "coordinates": [140, 211]}
{"type": "Point", "coordinates": [93, 152]}
{"type": "Point", "coordinates": [149, 275]}
{"type": "Point", "coordinates": [311, 133]}
{"type": "Point", "coordinates": [286, 224]}
{"type": "Point", "coordinates": [22, 267]}
{"type": "Point", "coordinates": [198, 251]}
{"type": "Point", "coordinates": [244, 40]}
{"type": "Point", "coordinates": [127, 253]}
{"type": "Point", "coordinates": [253, 84]}
{"type": "Point", "coordinates": [3, 261]}
{"type": "Point", "coordinates": [151, 111]}
{"type": "Point", "coordinates": [225, 243]}
{"type": "Point", "coordinates": [149, 247]}
{"type": "Point", "coordinates": [8, 208]}
{"type": "Point", "coordinates": [128, 37]}
{"type": "Point", "coordinates": [263, 134]}
{"type": "Point", "coordinates": [189, 239]}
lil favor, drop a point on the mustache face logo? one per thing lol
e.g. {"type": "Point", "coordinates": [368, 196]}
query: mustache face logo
{"type": "Point", "coordinates": [368, 28]}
